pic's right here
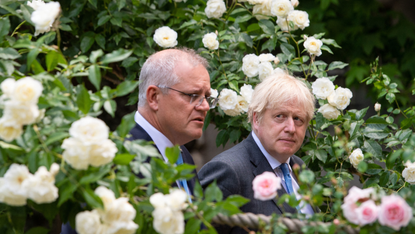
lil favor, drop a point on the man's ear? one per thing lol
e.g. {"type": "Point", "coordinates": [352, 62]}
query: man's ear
{"type": "Point", "coordinates": [255, 122]}
{"type": "Point", "coordinates": [153, 96]}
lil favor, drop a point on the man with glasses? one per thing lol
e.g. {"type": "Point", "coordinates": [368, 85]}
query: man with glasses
{"type": "Point", "coordinates": [174, 97]}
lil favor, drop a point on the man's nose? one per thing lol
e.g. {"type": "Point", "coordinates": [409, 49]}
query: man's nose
{"type": "Point", "coordinates": [289, 125]}
{"type": "Point", "coordinates": [204, 106]}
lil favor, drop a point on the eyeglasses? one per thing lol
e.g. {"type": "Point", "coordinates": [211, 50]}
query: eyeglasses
{"type": "Point", "coordinates": [198, 99]}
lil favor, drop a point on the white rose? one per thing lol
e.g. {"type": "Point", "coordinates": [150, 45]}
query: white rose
{"type": "Point", "coordinates": [409, 172]}
{"type": "Point", "coordinates": [102, 153]}
{"type": "Point", "coordinates": [281, 8]}
{"type": "Point", "coordinates": [233, 112]}
{"type": "Point", "coordinates": [313, 46]}
{"type": "Point", "coordinates": [284, 25]}
{"type": "Point", "coordinates": [329, 112]}
{"type": "Point", "coordinates": [263, 10]}
{"type": "Point", "coordinates": [27, 90]}
{"type": "Point", "coordinates": [15, 176]}
{"type": "Point", "coordinates": [165, 37]}
{"type": "Point", "coordinates": [300, 18]}
{"type": "Point", "coordinates": [9, 130]}
{"type": "Point", "coordinates": [246, 92]}
{"type": "Point", "coordinates": [215, 8]}
{"type": "Point", "coordinates": [9, 196]}
{"type": "Point", "coordinates": [242, 105]}
{"type": "Point", "coordinates": [35, 4]}
{"type": "Point", "coordinates": [167, 221]}
{"type": "Point", "coordinates": [377, 107]}
{"type": "Point", "coordinates": [295, 3]}
{"type": "Point", "coordinates": [266, 57]}
{"type": "Point", "coordinates": [107, 196]}
{"type": "Point", "coordinates": [118, 211]}
{"type": "Point", "coordinates": [227, 99]}
{"type": "Point", "coordinates": [214, 93]}
{"type": "Point", "coordinates": [279, 72]}
{"type": "Point", "coordinates": [41, 187]}
{"type": "Point", "coordinates": [89, 130]}
{"type": "Point", "coordinates": [265, 69]}
{"type": "Point", "coordinates": [76, 153]}
{"type": "Point", "coordinates": [7, 86]}
{"type": "Point", "coordinates": [340, 98]}
{"type": "Point", "coordinates": [356, 157]}
{"type": "Point", "coordinates": [250, 64]}
{"type": "Point", "coordinates": [322, 88]}
{"type": "Point", "coordinates": [19, 113]}
{"type": "Point", "coordinates": [44, 16]}
{"type": "Point", "coordinates": [254, 2]}
{"type": "Point", "coordinates": [176, 200]}
{"type": "Point", "coordinates": [210, 42]}
{"type": "Point", "coordinates": [88, 222]}
{"type": "Point", "coordinates": [122, 227]}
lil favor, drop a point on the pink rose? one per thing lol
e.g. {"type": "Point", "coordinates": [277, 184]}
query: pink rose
{"type": "Point", "coordinates": [357, 194]}
{"type": "Point", "coordinates": [367, 212]}
{"type": "Point", "coordinates": [349, 212]}
{"type": "Point", "coordinates": [265, 186]}
{"type": "Point", "coordinates": [394, 212]}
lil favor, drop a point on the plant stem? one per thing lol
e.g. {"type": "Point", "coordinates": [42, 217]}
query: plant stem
{"type": "Point", "coordinates": [18, 26]}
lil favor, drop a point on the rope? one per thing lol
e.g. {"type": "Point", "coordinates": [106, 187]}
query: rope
{"type": "Point", "coordinates": [251, 220]}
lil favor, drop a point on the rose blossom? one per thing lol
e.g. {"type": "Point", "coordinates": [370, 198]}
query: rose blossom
{"type": "Point", "coordinates": [12, 191]}
{"type": "Point", "coordinates": [300, 18]}
{"type": "Point", "coordinates": [210, 41]}
{"type": "Point", "coordinates": [35, 4]}
{"type": "Point", "coordinates": [356, 194]}
{"type": "Point", "coordinates": [265, 186]}
{"type": "Point", "coordinates": [250, 64]}
{"type": "Point", "coordinates": [265, 69]}
{"type": "Point", "coordinates": [89, 130]}
{"type": "Point", "coordinates": [266, 57]}
{"type": "Point", "coordinates": [9, 130]}
{"type": "Point", "coordinates": [214, 93]}
{"type": "Point", "coordinates": [409, 172]}
{"type": "Point", "coordinates": [227, 99]}
{"type": "Point", "coordinates": [165, 37]}
{"type": "Point", "coordinates": [44, 16]}
{"type": "Point", "coordinates": [19, 113]}
{"type": "Point", "coordinates": [367, 212]}
{"type": "Point", "coordinates": [88, 222]}
{"type": "Point", "coordinates": [254, 2]}
{"type": "Point", "coordinates": [313, 46]}
{"type": "Point", "coordinates": [26, 90]}
{"type": "Point", "coordinates": [76, 153]}
{"type": "Point", "coordinates": [329, 112]}
{"type": "Point", "coordinates": [349, 212]}
{"type": "Point", "coordinates": [284, 25]}
{"type": "Point", "coordinates": [41, 187]}
{"type": "Point", "coordinates": [295, 3]}
{"type": "Point", "coordinates": [377, 107]}
{"type": "Point", "coordinates": [340, 98]}
{"type": "Point", "coordinates": [167, 221]}
{"type": "Point", "coordinates": [356, 157]}
{"type": "Point", "coordinates": [281, 8]}
{"type": "Point", "coordinates": [263, 10]}
{"type": "Point", "coordinates": [394, 212]}
{"type": "Point", "coordinates": [246, 92]}
{"type": "Point", "coordinates": [176, 200]}
{"type": "Point", "coordinates": [242, 104]}
{"type": "Point", "coordinates": [215, 8]}
{"type": "Point", "coordinates": [322, 88]}
{"type": "Point", "coordinates": [102, 153]}
{"type": "Point", "coordinates": [7, 87]}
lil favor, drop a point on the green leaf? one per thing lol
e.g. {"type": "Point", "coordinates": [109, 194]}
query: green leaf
{"type": "Point", "coordinates": [9, 53]}
{"type": "Point", "coordinates": [87, 41]}
{"type": "Point", "coordinates": [307, 176]}
{"type": "Point", "coordinates": [244, 18]}
{"type": "Point", "coordinates": [103, 20]}
{"type": "Point", "coordinates": [247, 39]}
{"type": "Point", "coordinates": [95, 55]}
{"type": "Point", "coordinates": [56, 136]}
{"type": "Point", "coordinates": [376, 120]}
{"type": "Point", "coordinates": [326, 48]}
{"type": "Point", "coordinates": [93, 177]}
{"type": "Point", "coordinates": [222, 138]}
{"type": "Point", "coordinates": [4, 27]}
{"type": "Point", "coordinates": [126, 87]}
{"type": "Point", "coordinates": [172, 154]}
{"type": "Point", "coordinates": [213, 193]}
{"type": "Point", "coordinates": [116, 56]}
{"type": "Point", "coordinates": [321, 155]}
{"type": "Point", "coordinates": [31, 56]}
{"type": "Point", "coordinates": [110, 106]}
{"type": "Point", "coordinates": [192, 226]}
{"type": "Point", "coordinates": [51, 60]}
{"type": "Point", "coordinates": [5, 145]}
{"type": "Point", "coordinates": [100, 40]}
{"type": "Point", "coordinates": [94, 76]}
{"type": "Point", "coordinates": [92, 199]}
{"type": "Point", "coordinates": [127, 123]}
{"type": "Point", "coordinates": [336, 65]}
{"type": "Point", "coordinates": [38, 230]}
{"type": "Point", "coordinates": [120, 4]}
{"type": "Point", "coordinates": [288, 50]}
{"type": "Point", "coordinates": [123, 159]}
{"type": "Point", "coordinates": [373, 147]}
{"type": "Point", "coordinates": [267, 26]}
{"type": "Point", "coordinates": [83, 99]}
{"type": "Point", "coordinates": [66, 191]}
{"type": "Point", "coordinates": [362, 167]}
{"type": "Point", "coordinates": [93, 2]}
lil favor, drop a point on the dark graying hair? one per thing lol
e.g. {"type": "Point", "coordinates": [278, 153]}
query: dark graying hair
{"type": "Point", "coordinates": [159, 69]}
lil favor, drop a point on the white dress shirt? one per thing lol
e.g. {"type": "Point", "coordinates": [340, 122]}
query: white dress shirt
{"type": "Point", "coordinates": [275, 164]}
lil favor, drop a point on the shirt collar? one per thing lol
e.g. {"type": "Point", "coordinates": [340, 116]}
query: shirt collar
{"type": "Point", "coordinates": [271, 160]}
{"type": "Point", "coordinates": [160, 140]}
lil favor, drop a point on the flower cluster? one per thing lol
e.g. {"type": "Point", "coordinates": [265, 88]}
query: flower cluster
{"type": "Point", "coordinates": [409, 172]}
{"type": "Point", "coordinates": [20, 106]}
{"type": "Point", "coordinates": [116, 217]}
{"type": "Point", "coordinates": [167, 214]}
{"type": "Point", "coordinates": [44, 15]}
{"type": "Point", "coordinates": [88, 144]}
{"type": "Point", "coordinates": [210, 41]}
{"type": "Point", "coordinates": [338, 99]}
{"type": "Point", "coordinates": [356, 157]}
{"type": "Point", "coordinates": [253, 65]}
{"type": "Point", "coordinates": [215, 8]}
{"type": "Point", "coordinates": [265, 186]}
{"type": "Point", "coordinates": [165, 37]}
{"type": "Point", "coordinates": [233, 104]}
{"type": "Point", "coordinates": [18, 185]}
{"type": "Point", "coordinates": [313, 46]}
{"type": "Point", "coordinates": [360, 207]}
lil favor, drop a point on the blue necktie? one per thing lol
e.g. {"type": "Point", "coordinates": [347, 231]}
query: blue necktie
{"type": "Point", "coordinates": [183, 183]}
{"type": "Point", "coordinates": [288, 181]}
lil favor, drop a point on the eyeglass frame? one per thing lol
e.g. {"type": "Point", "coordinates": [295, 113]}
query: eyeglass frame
{"type": "Point", "coordinates": [192, 96]}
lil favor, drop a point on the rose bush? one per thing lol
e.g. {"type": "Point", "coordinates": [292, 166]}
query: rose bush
{"type": "Point", "coordinates": [85, 69]}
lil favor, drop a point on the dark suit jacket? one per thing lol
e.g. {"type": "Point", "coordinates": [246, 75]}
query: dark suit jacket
{"type": "Point", "coordinates": [139, 133]}
{"type": "Point", "coordinates": [234, 170]}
